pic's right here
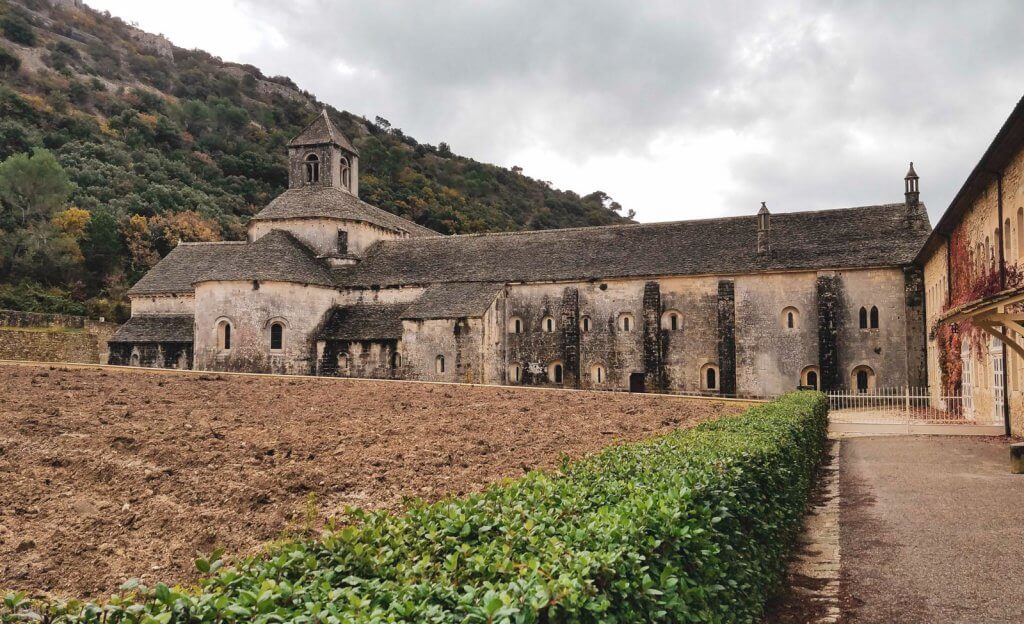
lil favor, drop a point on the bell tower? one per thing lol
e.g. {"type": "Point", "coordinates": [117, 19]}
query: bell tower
{"type": "Point", "coordinates": [321, 157]}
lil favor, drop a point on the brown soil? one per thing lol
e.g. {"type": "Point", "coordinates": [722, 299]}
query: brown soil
{"type": "Point", "coordinates": [112, 474]}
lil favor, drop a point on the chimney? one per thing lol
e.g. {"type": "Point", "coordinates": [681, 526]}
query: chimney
{"type": "Point", "coordinates": [911, 188]}
{"type": "Point", "coordinates": [764, 229]}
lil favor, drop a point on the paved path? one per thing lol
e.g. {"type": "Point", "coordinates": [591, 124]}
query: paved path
{"type": "Point", "coordinates": [931, 530]}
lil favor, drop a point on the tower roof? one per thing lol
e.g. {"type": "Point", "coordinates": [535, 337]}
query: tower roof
{"type": "Point", "coordinates": [911, 173]}
{"type": "Point", "coordinates": [321, 131]}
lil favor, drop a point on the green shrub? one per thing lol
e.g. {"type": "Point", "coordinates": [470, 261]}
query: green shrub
{"type": "Point", "coordinates": [694, 526]}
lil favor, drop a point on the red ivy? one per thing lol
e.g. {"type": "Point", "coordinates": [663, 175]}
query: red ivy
{"type": "Point", "coordinates": [967, 284]}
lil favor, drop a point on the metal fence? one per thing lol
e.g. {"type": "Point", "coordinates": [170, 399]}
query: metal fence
{"type": "Point", "coordinates": [908, 404]}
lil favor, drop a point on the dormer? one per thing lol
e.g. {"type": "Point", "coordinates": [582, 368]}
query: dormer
{"type": "Point", "coordinates": [321, 156]}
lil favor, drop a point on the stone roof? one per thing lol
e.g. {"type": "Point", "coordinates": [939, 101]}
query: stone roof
{"type": "Point", "coordinates": [310, 202]}
{"type": "Point", "coordinates": [277, 256]}
{"type": "Point", "coordinates": [321, 131]}
{"type": "Point", "coordinates": [364, 321]}
{"type": "Point", "coordinates": [454, 300]}
{"type": "Point", "coordinates": [868, 236]}
{"type": "Point", "coordinates": [156, 328]}
{"type": "Point", "coordinates": [178, 269]}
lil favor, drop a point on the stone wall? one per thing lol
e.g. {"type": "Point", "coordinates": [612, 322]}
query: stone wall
{"type": "Point", "coordinates": [53, 337]}
{"type": "Point", "coordinates": [250, 308]}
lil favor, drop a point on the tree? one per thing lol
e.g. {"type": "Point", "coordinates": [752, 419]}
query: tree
{"type": "Point", "coordinates": [33, 186]}
{"type": "Point", "coordinates": [444, 150]}
{"type": "Point", "coordinates": [9, 62]}
{"type": "Point", "coordinates": [17, 29]}
{"type": "Point", "coordinates": [72, 222]}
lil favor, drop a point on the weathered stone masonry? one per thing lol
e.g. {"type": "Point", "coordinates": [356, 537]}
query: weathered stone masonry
{"type": "Point", "coordinates": [327, 284]}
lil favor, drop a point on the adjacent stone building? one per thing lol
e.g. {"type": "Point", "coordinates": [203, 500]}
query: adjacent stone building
{"type": "Point", "coordinates": [974, 283]}
{"type": "Point", "coordinates": [752, 305]}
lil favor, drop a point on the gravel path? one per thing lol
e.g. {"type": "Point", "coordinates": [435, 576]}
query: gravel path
{"type": "Point", "coordinates": [932, 530]}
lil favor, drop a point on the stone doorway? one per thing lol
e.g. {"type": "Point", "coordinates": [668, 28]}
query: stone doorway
{"type": "Point", "coordinates": [636, 382]}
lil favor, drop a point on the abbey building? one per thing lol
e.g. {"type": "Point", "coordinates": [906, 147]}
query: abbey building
{"type": "Point", "coordinates": [752, 305]}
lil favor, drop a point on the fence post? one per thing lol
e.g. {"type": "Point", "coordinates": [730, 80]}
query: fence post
{"type": "Point", "coordinates": [906, 403]}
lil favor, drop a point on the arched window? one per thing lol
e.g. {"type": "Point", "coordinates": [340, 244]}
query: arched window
{"type": "Point", "coordinates": [862, 378]}
{"type": "Point", "coordinates": [709, 377]}
{"type": "Point", "coordinates": [548, 324]}
{"type": "Point", "coordinates": [809, 377]}
{"type": "Point", "coordinates": [863, 318]}
{"type": "Point", "coordinates": [515, 325]}
{"type": "Point", "coordinates": [1020, 233]}
{"type": "Point", "coordinates": [224, 335]}
{"type": "Point", "coordinates": [1007, 240]}
{"type": "Point", "coordinates": [555, 372]}
{"type": "Point", "coordinates": [396, 360]}
{"type": "Point", "coordinates": [584, 323]}
{"type": "Point", "coordinates": [790, 318]}
{"type": "Point", "coordinates": [672, 320]}
{"type": "Point", "coordinates": [515, 373]}
{"type": "Point", "coordinates": [626, 322]}
{"type": "Point", "coordinates": [439, 364]}
{"type": "Point", "coordinates": [276, 336]}
{"type": "Point", "coordinates": [598, 374]}
{"type": "Point", "coordinates": [346, 176]}
{"type": "Point", "coordinates": [312, 169]}
{"type": "Point", "coordinates": [874, 317]}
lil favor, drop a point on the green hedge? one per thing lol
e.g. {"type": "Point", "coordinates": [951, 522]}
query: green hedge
{"type": "Point", "coordinates": [694, 526]}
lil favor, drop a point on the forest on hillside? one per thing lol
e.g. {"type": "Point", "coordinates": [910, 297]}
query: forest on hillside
{"type": "Point", "coordinates": [116, 145]}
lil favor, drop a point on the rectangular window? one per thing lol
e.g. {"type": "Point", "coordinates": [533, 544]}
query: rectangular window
{"type": "Point", "coordinates": [342, 242]}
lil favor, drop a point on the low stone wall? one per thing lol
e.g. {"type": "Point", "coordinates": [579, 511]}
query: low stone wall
{"type": "Point", "coordinates": [53, 337]}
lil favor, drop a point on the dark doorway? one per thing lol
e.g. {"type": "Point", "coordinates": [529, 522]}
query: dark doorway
{"type": "Point", "coordinates": [862, 381]}
{"type": "Point", "coordinates": [812, 379]}
{"type": "Point", "coordinates": [636, 382]}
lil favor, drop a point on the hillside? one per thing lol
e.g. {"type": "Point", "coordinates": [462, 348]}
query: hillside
{"type": "Point", "coordinates": [115, 145]}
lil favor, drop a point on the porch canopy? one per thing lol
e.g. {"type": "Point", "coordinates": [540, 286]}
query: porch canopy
{"type": "Point", "coordinates": [989, 313]}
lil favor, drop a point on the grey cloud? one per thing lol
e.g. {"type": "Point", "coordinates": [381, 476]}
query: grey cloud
{"type": "Point", "coordinates": [843, 93]}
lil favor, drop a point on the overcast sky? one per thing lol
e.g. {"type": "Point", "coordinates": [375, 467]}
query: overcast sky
{"type": "Point", "coordinates": [676, 109]}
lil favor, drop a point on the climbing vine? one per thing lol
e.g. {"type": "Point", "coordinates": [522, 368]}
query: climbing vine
{"type": "Point", "coordinates": [968, 283]}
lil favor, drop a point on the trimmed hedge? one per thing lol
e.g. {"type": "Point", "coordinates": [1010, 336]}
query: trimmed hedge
{"type": "Point", "coordinates": [694, 526]}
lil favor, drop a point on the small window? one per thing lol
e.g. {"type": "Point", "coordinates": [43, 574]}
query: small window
{"type": "Point", "coordinates": [598, 374]}
{"type": "Point", "coordinates": [709, 377]}
{"type": "Point", "coordinates": [672, 320]}
{"type": "Point", "coordinates": [555, 372]}
{"type": "Point", "coordinates": [515, 373]}
{"type": "Point", "coordinates": [439, 364]}
{"type": "Point", "coordinates": [224, 335]}
{"type": "Point", "coordinates": [585, 323]}
{"type": "Point", "coordinates": [515, 325]}
{"type": "Point", "coordinates": [276, 336]}
{"type": "Point", "coordinates": [626, 323]}
{"type": "Point", "coordinates": [863, 318]}
{"type": "Point", "coordinates": [396, 360]}
{"type": "Point", "coordinates": [312, 169]}
{"type": "Point", "coordinates": [790, 318]}
{"type": "Point", "coordinates": [343, 361]}
{"type": "Point", "coordinates": [874, 317]}
{"type": "Point", "coordinates": [548, 324]}
{"type": "Point", "coordinates": [346, 176]}
{"type": "Point", "coordinates": [342, 242]}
